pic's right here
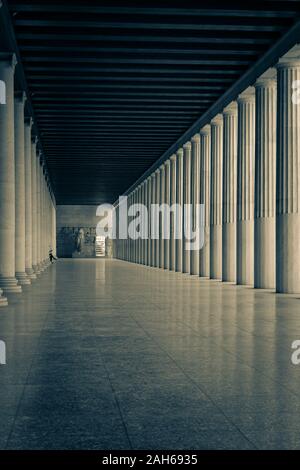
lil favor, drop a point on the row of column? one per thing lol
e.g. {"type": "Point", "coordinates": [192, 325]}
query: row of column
{"type": "Point", "coordinates": [27, 206]}
{"type": "Point", "coordinates": [244, 167]}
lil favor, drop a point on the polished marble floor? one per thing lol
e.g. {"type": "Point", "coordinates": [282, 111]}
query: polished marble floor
{"type": "Point", "coordinates": [104, 354]}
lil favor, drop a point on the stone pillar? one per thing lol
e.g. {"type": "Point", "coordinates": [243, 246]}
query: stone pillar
{"type": "Point", "coordinates": [245, 187]}
{"type": "Point", "coordinates": [149, 244]}
{"type": "Point", "coordinates": [157, 221]}
{"type": "Point", "coordinates": [172, 214]}
{"type": "Point", "coordinates": [216, 197]}
{"type": "Point", "coordinates": [178, 216]}
{"type": "Point", "coordinates": [142, 242]}
{"type": "Point", "coordinates": [28, 201]}
{"type": "Point", "coordinates": [195, 200]}
{"type": "Point", "coordinates": [288, 178]}
{"type": "Point", "coordinates": [38, 211]}
{"type": "Point", "coordinates": [53, 210]}
{"type": "Point", "coordinates": [229, 192]}
{"type": "Point", "coordinates": [186, 172]}
{"type": "Point", "coordinates": [8, 281]}
{"type": "Point", "coordinates": [205, 149]}
{"type": "Point", "coordinates": [264, 196]}
{"type": "Point", "coordinates": [19, 104]}
{"type": "Point", "coordinates": [166, 261]}
{"type": "Point", "coordinates": [34, 205]}
{"type": "Point", "coordinates": [161, 215]}
{"type": "Point", "coordinates": [153, 222]}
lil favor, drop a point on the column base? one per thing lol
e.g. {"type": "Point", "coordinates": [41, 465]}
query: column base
{"type": "Point", "coordinates": [215, 260]}
{"type": "Point", "coordinates": [245, 253]}
{"type": "Point", "coordinates": [36, 269]}
{"type": "Point", "coordinates": [3, 300]}
{"type": "Point", "coordinates": [229, 252]}
{"type": "Point", "coordinates": [264, 249]}
{"type": "Point", "coordinates": [41, 267]}
{"type": "Point", "coordinates": [287, 253]}
{"type": "Point", "coordinates": [10, 285]}
{"type": "Point", "coordinates": [30, 273]}
{"type": "Point", "coordinates": [22, 278]}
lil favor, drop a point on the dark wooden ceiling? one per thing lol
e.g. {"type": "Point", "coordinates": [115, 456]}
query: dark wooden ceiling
{"type": "Point", "coordinates": [114, 83]}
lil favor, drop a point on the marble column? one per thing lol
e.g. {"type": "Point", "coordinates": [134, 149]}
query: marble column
{"type": "Point", "coordinates": [19, 105]}
{"type": "Point", "coordinates": [140, 242]}
{"type": "Point", "coordinates": [34, 205]}
{"type": "Point", "coordinates": [245, 187]}
{"type": "Point", "coordinates": [158, 218]}
{"type": "Point", "coordinates": [186, 174]}
{"type": "Point", "coordinates": [264, 195]}
{"type": "Point", "coordinates": [153, 222]}
{"type": "Point", "coordinates": [287, 178]}
{"type": "Point", "coordinates": [142, 245]}
{"type": "Point", "coordinates": [166, 261]}
{"type": "Point", "coordinates": [53, 238]}
{"type": "Point", "coordinates": [161, 214]}
{"type": "Point", "coordinates": [178, 216]}
{"type": "Point", "coordinates": [229, 192]}
{"type": "Point", "coordinates": [149, 198]}
{"type": "Point", "coordinates": [38, 211]}
{"type": "Point", "coordinates": [205, 150]}
{"type": "Point", "coordinates": [172, 214]}
{"type": "Point", "coordinates": [195, 200]}
{"type": "Point", "coordinates": [28, 201]}
{"type": "Point", "coordinates": [216, 197]}
{"type": "Point", "coordinates": [8, 281]}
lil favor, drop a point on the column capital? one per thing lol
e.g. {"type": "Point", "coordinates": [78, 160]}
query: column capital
{"type": "Point", "coordinates": [10, 58]}
{"type": "Point", "coordinates": [167, 162]}
{"type": "Point", "coordinates": [217, 120]}
{"type": "Point", "coordinates": [187, 146]}
{"type": "Point", "coordinates": [157, 171]}
{"type": "Point", "coordinates": [173, 157]}
{"type": "Point", "coordinates": [179, 152]}
{"type": "Point", "coordinates": [247, 96]}
{"type": "Point", "coordinates": [162, 167]}
{"type": "Point", "coordinates": [230, 109]}
{"type": "Point", "coordinates": [196, 138]}
{"type": "Point", "coordinates": [20, 96]}
{"type": "Point", "coordinates": [205, 130]}
{"type": "Point", "coordinates": [267, 80]}
{"type": "Point", "coordinates": [291, 59]}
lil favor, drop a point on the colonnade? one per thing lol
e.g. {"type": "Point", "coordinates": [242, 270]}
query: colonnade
{"type": "Point", "coordinates": [27, 204]}
{"type": "Point", "coordinates": [244, 167]}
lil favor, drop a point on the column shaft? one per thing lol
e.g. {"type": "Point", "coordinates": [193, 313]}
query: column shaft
{"type": "Point", "coordinates": [166, 262]}
{"type": "Point", "coordinates": [287, 180]}
{"type": "Point", "coordinates": [229, 192]}
{"type": "Point", "coordinates": [178, 216]}
{"type": "Point", "coordinates": [34, 205]}
{"type": "Point", "coordinates": [20, 188]}
{"type": "Point", "coordinates": [8, 281]}
{"type": "Point", "coordinates": [245, 187]}
{"type": "Point", "coordinates": [216, 197]}
{"type": "Point", "coordinates": [161, 214]}
{"type": "Point", "coordinates": [195, 201]}
{"type": "Point", "coordinates": [205, 150]}
{"type": "Point", "coordinates": [172, 253]}
{"type": "Point", "coordinates": [264, 197]}
{"type": "Point", "coordinates": [28, 201]}
{"type": "Point", "coordinates": [186, 213]}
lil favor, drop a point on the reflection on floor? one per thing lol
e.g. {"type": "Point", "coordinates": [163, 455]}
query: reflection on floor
{"type": "Point", "coordinates": [103, 354]}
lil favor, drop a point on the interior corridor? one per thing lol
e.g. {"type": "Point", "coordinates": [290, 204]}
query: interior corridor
{"type": "Point", "coordinates": [105, 354]}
